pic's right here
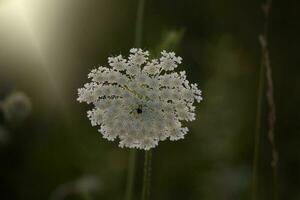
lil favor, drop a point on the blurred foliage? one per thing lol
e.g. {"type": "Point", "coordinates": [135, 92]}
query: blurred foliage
{"type": "Point", "coordinates": [170, 41]}
{"type": "Point", "coordinates": [48, 47]}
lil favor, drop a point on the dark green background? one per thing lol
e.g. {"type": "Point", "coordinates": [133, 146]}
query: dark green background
{"type": "Point", "coordinates": [47, 49]}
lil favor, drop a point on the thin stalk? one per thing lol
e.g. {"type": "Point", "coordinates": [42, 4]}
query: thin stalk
{"type": "Point", "coordinates": [130, 175]}
{"type": "Point", "coordinates": [266, 67]}
{"type": "Point", "coordinates": [147, 175]}
{"type": "Point", "coordinates": [132, 154]}
{"type": "Point", "coordinates": [264, 42]}
{"type": "Point", "coordinates": [139, 23]}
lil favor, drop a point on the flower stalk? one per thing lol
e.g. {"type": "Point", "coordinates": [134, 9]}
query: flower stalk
{"type": "Point", "coordinates": [139, 23]}
{"type": "Point", "coordinates": [266, 71]}
{"type": "Point", "coordinates": [132, 153]}
{"type": "Point", "coordinates": [264, 40]}
{"type": "Point", "coordinates": [147, 175]}
{"type": "Point", "coordinates": [130, 175]}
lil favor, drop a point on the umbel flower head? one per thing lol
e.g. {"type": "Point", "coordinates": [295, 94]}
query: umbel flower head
{"type": "Point", "coordinates": [140, 101]}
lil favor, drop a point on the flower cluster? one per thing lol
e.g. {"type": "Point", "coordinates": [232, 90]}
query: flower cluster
{"type": "Point", "coordinates": [140, 101]}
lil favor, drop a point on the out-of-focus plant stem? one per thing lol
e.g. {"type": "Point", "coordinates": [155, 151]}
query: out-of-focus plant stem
{"type": "Point", "coordinates": [130, 175]}
{"type": "Point", "coordinates": [147, 175]}
{"type": "Point", "coordinates": [132, 153]}
{"type": "Point", "coordinates": [263, 39]}
{"type": "Point", "coordinates": [266, 65]}
{"type": "Point", "coordinates": [139, 23]}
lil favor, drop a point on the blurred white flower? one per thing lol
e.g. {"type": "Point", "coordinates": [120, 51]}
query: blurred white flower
{"type": "Point", "coordinates": [87, 183]}
{"type": "Point", "coordinates": [140, 101]}
{"type": "Point", "coordinates": [16, 107]}
{"type": "Point", "coordinates": [84, 185]}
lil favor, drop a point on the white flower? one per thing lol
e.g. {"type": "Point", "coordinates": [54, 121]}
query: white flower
{"type": "Point", "coordinates": [16, 107]}
{"type": "Point", "coordinates": [140, 101]}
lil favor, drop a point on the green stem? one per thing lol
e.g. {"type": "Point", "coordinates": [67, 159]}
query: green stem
{"type": "Point", "coordinates": [132, 154]}
{"type": "Point", "coordinates": [147, 175]}
{"type": "Point", "coordinates": [130, 175]}
{"type": "Point", "coordinates": [139, 23]}
{"type": "Point", "coordinates": [257, 131]}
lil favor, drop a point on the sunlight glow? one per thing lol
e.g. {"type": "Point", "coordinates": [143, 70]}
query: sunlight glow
{"type": "Point", "coordinates": [16, 15]}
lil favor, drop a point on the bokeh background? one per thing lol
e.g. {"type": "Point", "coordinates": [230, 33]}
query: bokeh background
{"type": "Point", "coordinates": [50, 151]}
